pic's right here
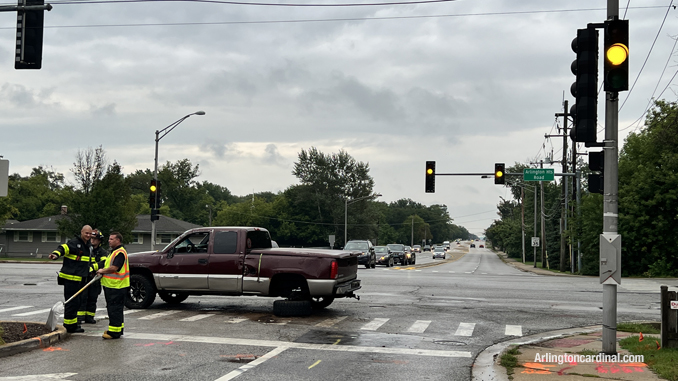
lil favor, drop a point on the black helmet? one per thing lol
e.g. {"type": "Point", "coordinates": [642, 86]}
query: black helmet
{"type": "Point", "coordinates": [98, 235]}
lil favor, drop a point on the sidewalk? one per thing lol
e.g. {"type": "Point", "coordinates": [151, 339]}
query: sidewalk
{"type": "Point", "coordinates": [523, 267]}
{"type": "Point", "coordinates": [582, 341]}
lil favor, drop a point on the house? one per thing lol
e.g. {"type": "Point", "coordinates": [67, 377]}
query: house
{"type": "Point", "coordinates": [39, 237]}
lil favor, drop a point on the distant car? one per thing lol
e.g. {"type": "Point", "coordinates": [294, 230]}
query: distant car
{"type": "Point", "coordinates": [384, 256]}
{"type": "Point", "coordinates": [367, 256]}
{"type": "Point", "coordinates": [416, 248]}
{"type": "Point", "coordinates": [398, 251]}
{"type": "Point", "coordinates": [439, 252]}
{"type": "Point", "coordinates": [482, 246]}
{"type": "Point", "coordinates": [427, 248]}
{"type": "Point", "coordinates": [473, 245]}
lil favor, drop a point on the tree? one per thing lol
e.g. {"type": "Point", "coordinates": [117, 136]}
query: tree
{"type": "Point", "coordinates": [89, 167]}
{"type": "Point", "coordinates": [40, 194]}
{"type": "Point", "coordinates": [181, 192]}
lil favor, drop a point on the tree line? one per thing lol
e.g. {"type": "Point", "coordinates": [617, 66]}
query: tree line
{"type": "Point", "coordinates": [648, 206]}
{"type": "Point", "coordinates": [331, 187]}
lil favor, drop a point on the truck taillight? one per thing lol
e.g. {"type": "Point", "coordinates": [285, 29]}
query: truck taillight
{"type": "Point", "coordinates": [334, 270]}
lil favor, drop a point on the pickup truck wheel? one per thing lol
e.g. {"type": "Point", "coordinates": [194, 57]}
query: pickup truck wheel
{"type": "Point", "coordinates": [172, 297]}
{"type": "Point", "coordinates": [141, 292]}
{"type": "Point", "coordinates": [321, 302]}
{"type": "Point", "coordinates": [292, 308]}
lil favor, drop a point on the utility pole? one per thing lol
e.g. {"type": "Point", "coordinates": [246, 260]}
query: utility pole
{"type": "Point", "coordinates": [522, 219]}
{"type": "Point", "coordinates": [563, 212]}
{"type": "Point", "coordinates": [534, 249]}
{"type": "Point", "coordinates": [412, 234]}
{"type": "Point", "coordinates": [543, 229]}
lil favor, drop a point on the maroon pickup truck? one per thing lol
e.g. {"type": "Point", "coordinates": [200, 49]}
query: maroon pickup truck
{"type": "Point", "coordinates": [241, 261]}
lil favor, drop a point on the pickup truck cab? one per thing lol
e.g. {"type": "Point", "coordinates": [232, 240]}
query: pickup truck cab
{"type": "Point", "coordinates": [241, 261]}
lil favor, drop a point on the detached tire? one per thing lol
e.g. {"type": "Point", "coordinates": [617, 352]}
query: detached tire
{"type": "Point", "coordinates": [141, 292]}
{"type": "Point", "coordinates": [286, 308]}
{"type": "Point", "coordinates": [172, 297]}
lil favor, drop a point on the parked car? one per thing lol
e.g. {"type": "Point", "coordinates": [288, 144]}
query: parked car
{"type": "Point", "coordinates": [439, 252]}
{"type": "Point", "coordinates": [410, 256]}
{"type": "Point", "coordinates": [416, 248]}
{"type": "Point", "coordinates": [384, 256]}
{"type": "Point", "coordinates": [367, 256]}
{"type": "Point", "coordinates": [398, 252]}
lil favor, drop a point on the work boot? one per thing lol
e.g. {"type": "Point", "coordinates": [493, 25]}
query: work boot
{"type": "Point", "coordinates": [110, 335]}
{"type": "Point", "coordinates": [90, 320]}
{"type": "Point", "coordinates": [73, 328]}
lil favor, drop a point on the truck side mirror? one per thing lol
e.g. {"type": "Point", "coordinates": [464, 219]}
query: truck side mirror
{"type": "Point", "coordinates": [170, 254]}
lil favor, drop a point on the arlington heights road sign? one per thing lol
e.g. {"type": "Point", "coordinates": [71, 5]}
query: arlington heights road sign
{"type": "Point", "coordinates": [538, 174]}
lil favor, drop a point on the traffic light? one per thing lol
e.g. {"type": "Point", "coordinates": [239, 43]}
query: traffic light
{"type": "Point", "coordinates": [158, 200]}
{"type": "Point", "coordinates": [585, 88]}
{"type": "Point", "coordinates": [155, 215]}
{"type": "Point", "coordinates": [152, 197]}
{"type": "Point", "coordinates": [29, 30]}
{"type": "Point", "coordinates": [499, 173]}
{"type": "Point", "coordinates": [616, 55]}
{"type": "Point", "coordinates": [596, 163]}
{"type": "Point", "coordinates": [430, 177]}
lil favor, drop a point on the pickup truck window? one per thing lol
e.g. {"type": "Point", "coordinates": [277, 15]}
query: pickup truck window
{"type": "Point", "coordinates": [194, 243]}
{"type": "Point", "coordinates": [225, 242]}
{"type": "Point", "coordinates": [258, 239]}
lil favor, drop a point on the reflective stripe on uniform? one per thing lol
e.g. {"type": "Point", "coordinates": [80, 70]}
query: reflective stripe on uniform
{"type": "Point", "coordinates": [71, 321]}
{"type": "Point", "coordinates": [119, 279]}
{"type": "Point", "coordinates": [76, 258]}
{"type": "Point", "coordinates": [70, 277]}
{"type": "Point", "coordinates": [115, 329]}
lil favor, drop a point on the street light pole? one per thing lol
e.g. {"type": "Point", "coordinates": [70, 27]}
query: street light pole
{"type": "Point", "coordinates": [164, 132]}
{"type": "Point", "coordinates": [346, 203]}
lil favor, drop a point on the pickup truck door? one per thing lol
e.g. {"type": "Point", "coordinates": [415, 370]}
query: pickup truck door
{"type": "Point", "coordinates": [225, 270]}
{"type": "Point", "coordinates": [185, 265]}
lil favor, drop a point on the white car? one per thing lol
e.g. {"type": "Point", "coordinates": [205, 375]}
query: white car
{"type": "Point", "coordinates": [439, 252]}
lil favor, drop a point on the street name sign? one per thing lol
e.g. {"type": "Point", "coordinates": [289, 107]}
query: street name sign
{"type": "Point", "coordinates": [538, 174]}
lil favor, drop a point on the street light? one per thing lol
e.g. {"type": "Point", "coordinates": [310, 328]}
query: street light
{"type": "Point", "coordinates": [346, 203]}
{"type": "Point", "coordinates": [164, 132]}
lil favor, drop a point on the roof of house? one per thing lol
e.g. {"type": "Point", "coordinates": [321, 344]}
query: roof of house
{"type": "Point", "coordinates": [166, 225]}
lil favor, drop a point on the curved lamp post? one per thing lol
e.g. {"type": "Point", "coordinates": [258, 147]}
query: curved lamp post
{"type": "Point", "coordinates": [159, 134]}
{"type": "Point", "coordinates": [347, 202]}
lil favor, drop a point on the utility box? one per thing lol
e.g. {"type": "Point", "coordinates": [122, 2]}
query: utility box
{"type": "Point", "coordinates": [669, 308]}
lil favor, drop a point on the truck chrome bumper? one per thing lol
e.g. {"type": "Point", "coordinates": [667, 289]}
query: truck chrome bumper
{"type": "Point", "coordinates": [327, 287]}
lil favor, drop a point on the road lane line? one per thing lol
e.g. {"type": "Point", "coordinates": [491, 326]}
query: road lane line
{"type": "Point", "coordinates": [514, 330]}
{"type": "Point", "coordinates": [286, 344]}
{"type": "Point", "coordinates": [15, 308]}
{"type": "Point", "coordinates": [314, 364]}
{"type": "Point", "coordinates": [33, 312]}
{"type": "Point", "coordinates": [158, 315]}
{"type": "Point", "coordinates": [374, 324]}
{"type": "Point", "coordinates": [465, 329]}
{"type": "Point", "coordinates": [419, 326]}
{"type": "Point", "coordinates": [131, 312]}
{"type": "Point", "coordinates": [330, 322]}
{"type": "Point", "coordinates": [251, 365]}
{"type": "Point", "coordinates": [197, 317]}
{"type": "Point", "coordinates": [235, 320]}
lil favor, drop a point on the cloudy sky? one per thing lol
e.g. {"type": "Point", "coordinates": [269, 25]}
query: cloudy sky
{"type": "Point", "coordinates": [466, 83]}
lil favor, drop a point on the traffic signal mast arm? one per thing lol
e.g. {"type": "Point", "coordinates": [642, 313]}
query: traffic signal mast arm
{"type": "Point", "coordinates": [15, 8]}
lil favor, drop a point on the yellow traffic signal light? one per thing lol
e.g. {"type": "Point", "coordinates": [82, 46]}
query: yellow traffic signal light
{"type": "Point", "coordinates": [616, 55]}
{"type": "Point", "coordinates": [430, 177]}
{"type": "Point", "coordinates": [499, 177]}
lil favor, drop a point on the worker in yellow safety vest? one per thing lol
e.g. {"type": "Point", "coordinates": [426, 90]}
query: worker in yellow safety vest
{"type": "Point", "coordinates": [77, 254]}
{"type": "Point", "coordinates": [115, 281]}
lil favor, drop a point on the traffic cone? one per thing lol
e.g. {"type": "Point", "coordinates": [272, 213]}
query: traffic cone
{"type": "Point", "coordinates": [658, 346]}
{"type": "Point", "coordinates": [640, 338]}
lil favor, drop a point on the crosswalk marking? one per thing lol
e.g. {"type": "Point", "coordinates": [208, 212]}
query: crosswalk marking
{"type": "Point", "coordinates": [465, 329]}
{"type": "Point", "coordinates": [33, 312]}
{"type": "Point", "coordinates": [197, 317]}
{"type": "Point", "coordinates": [374, 324]}
{"type": "Point", "coordinates": [158, 315]}
{"type": "Point", "coordinates": [514, 330]}
{"type": "Point", "coordinates": [129, 311]}
{"type": "Point", "coordinates": [15, 308]}
{"type": "Point", "coordinates": [419, 326]}
{"type": "Point", "coordinates": [330, 322]}
{"type": "Point", "coordinates": [235, 320]}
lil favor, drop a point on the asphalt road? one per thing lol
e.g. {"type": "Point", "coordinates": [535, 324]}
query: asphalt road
{"type": "Point", "coordinates": [412, 323]}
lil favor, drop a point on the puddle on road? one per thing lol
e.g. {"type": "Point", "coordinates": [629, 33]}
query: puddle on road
{"type": "Point", "coordinates": [372, 339]}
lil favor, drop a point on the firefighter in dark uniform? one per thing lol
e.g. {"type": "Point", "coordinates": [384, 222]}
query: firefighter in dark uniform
{"type": "Point", "coordinates": [73, 275]}
{"type": "Point", "coordinates": [115, 281]}
{"type": "Point", "coordinates": [88, 307]}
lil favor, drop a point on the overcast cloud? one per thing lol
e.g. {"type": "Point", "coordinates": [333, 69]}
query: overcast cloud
{"type": "Point", "coordinates": [472, 85]}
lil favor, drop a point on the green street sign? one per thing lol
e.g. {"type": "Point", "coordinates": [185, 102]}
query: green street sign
{"type": "Point", "coordinates": [538, 174]}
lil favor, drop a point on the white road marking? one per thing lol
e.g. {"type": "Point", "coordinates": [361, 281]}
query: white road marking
{"type": "Point", "coordinates": [417, 270]}
{"type": "Point", "coordinates": [286, 344]}
{"type": "Point", "coordinates": [251, 365]}
{"type": "Point", "coordinates": [197, 317]}
{"type": "Point", "coordinates": [419, 326]}
{"type": "Point", "coordinates": [514, 330]}
{"type": "Point", "coordinates": [483, 273]}
{"type": "Point", "coordinates": [15, 308]}
{"type": "Point", "coordinates": [330, 322]}
{"type": "Point", "coordinates": [468, 272]}
{"type": "Point", "coordinates": [374, 324]}
{"type": "Point", "coordinates": [131, 312]}
{"type": "Point", "coordinates": [465, 329]}
{"type": "Point", "coordinates": [235, 320]}
{"type": "Point", "coordinates": [39, 377]}
{"type": "Point", "coordinates": [33, 312]}
{"type": "Point", "coordinates": [158, 315]}
{"type": "Point", "coordinates": [434, 271]}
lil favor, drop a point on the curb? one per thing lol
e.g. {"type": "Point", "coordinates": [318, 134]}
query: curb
{"type": "Point", "coordinates": [43, 341]}
{"type": "Point", "coordinates": [486, 365]}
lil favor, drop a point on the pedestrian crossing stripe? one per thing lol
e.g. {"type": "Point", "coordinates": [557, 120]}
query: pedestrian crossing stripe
{"type": "Point", "coordinates": [464, 329]}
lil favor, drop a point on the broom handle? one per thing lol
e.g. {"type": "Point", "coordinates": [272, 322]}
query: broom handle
{"type": "Point", "coordinates": [96, 278]}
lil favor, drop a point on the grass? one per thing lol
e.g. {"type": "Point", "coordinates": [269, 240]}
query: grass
{"type": "Point", "coordinates": [654, 328]}
{"type": "Point", "coordinates": [509, 361]}
{"type": "Point", "coordinates": [2, 332]}
{"type": "Point", "coordinates": [662, 362]}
